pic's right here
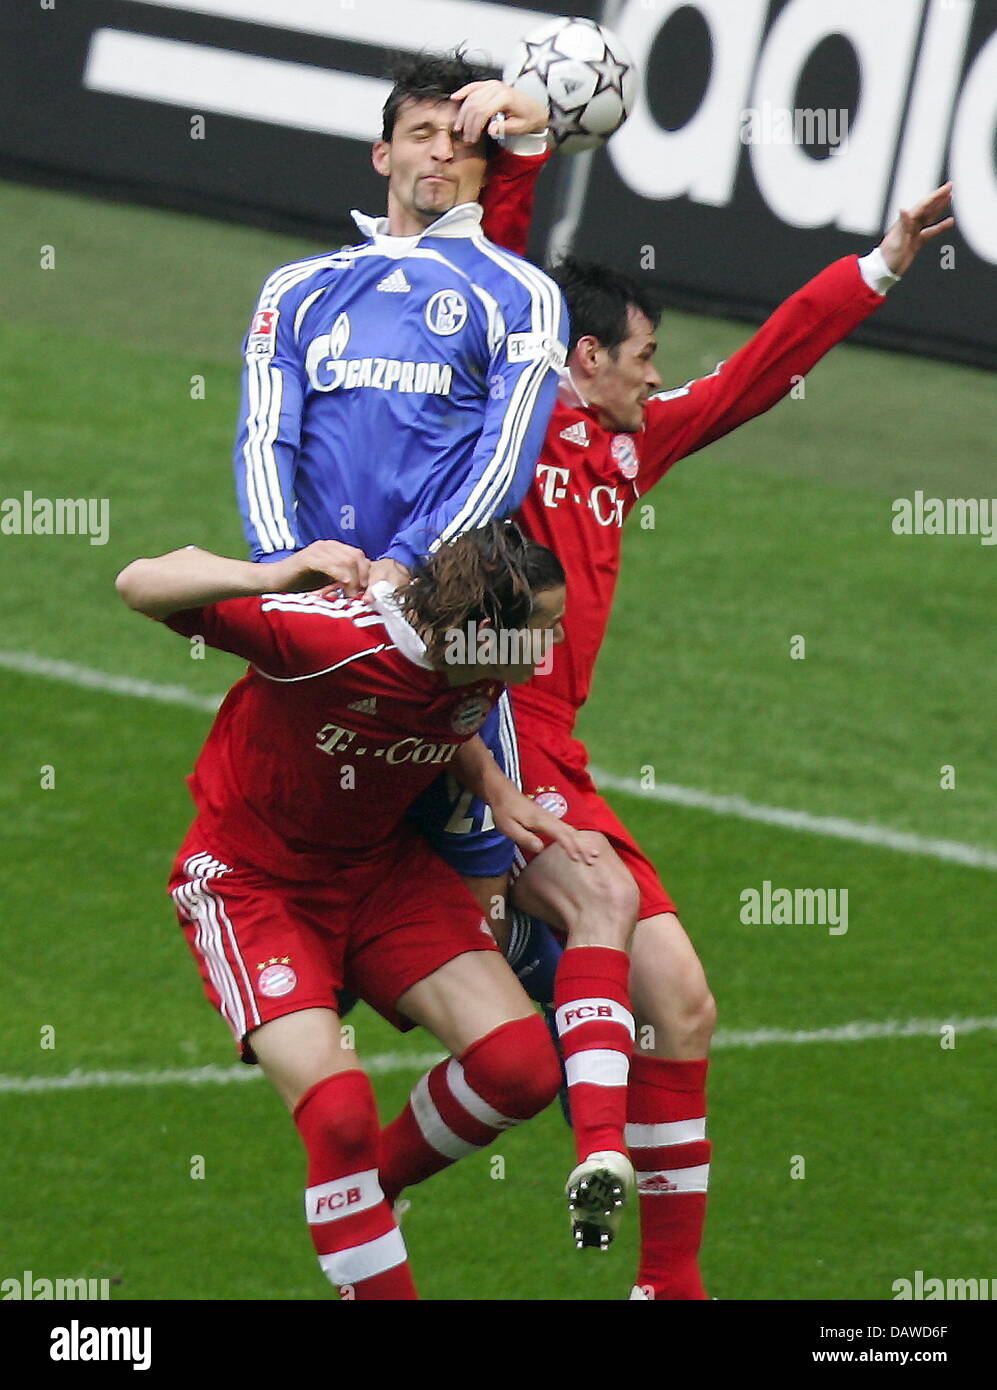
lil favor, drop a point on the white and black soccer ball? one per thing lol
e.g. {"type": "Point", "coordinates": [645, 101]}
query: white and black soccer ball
{"type": "Point", "coordinates": [585, 76]}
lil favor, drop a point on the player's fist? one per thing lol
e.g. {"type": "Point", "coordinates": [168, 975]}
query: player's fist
{"type": "Point", "coordinates": [322, 561]}
{"type": "Point", "coordinates": [482, 102]}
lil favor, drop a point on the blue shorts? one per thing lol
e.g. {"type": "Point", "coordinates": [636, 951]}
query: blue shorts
{"type": "Point", "coordinates": [458, 825]}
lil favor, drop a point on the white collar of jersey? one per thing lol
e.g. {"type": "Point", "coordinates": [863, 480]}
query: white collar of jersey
{"type": "Point", "coordinates": [568, 390]}
{"type": "Point", "coordinates": [463, 220]}
{"type": "Point", "coordinates": [401, 632]}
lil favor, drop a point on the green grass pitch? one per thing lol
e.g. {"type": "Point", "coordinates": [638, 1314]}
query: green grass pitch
{"type": "Point", "coordinates": [783, 530]}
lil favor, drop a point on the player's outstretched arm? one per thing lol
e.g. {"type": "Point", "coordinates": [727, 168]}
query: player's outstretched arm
{"type": "Point", "coordinates": [788, 345]}
{"type": "Point", "coordinates": [194, 578]}
{"type": "Point", "coordinates": [516, 815]}
{"type": "Point", "coordinates": [913, 230]}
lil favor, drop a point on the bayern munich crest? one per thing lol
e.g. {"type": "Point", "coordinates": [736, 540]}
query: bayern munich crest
{"type": "Point", "coordinates": [550, 799]}
{"type": "Point", "coordinates": [624, 451]}
{"type": "Point", "coordinates": [276, 979]}
{"type": "Point", "coordinates": [470, 715]}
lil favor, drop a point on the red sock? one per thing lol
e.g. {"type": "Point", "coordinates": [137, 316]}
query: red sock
{"type": "Point", "coordinates": [596, 1029]}
{"type": "Point", "coordinates": [360, 1248]}
{"type": "Point", "coordinates": [462, 1105]}
{"type": "Point", "coordinates": [666, 1134]}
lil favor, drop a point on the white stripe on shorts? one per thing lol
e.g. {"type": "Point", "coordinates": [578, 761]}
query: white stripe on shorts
{"type": "Point", "coordinates": [197, 909]}
{"type": "Point", "coordinates": [598, 1067]}
{"type": "Point", "coordinates": [364, 1261]}
{"type": "Point", "coordinates": [659, 1136]}
{"type": "Point", "coordinates": [206, 911]}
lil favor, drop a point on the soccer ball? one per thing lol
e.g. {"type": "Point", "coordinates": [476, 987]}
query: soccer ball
{"type": "Point", "coordinates": [583, 74]}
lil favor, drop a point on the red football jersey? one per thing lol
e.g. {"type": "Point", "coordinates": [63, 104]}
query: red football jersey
{"type": "Point", "coordinates": [588, 479]}
{"type": "Point", "coordinates": [317, 753]}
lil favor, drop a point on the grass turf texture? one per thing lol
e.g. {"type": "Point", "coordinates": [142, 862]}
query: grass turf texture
{"type": "Point", "coordinates": [783, 529]}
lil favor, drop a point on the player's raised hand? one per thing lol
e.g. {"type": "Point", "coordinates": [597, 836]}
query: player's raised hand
{"type": "Point", "coordinates": [481, 103]}
{"type": "Point", "coordinates": [322, 561]}
{"type": "Point", "coordinates": [914, 229]}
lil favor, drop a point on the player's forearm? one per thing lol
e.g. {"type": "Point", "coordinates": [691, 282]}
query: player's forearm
{"type": "Point", "coordinates": [193, 578]}
{"type": "Point", "coordinates": [476, 769]}
{"type": "Point", "coordinates": [508, 196]}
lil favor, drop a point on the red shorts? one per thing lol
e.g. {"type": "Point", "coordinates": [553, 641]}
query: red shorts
{"type": "Point", "coordinates": [553, 769]}
{"type": "Point", "coordinates": [266, 946]}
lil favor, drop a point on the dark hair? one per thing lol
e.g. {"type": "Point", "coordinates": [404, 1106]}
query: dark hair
{"type": "Point", "coordinates": [432, 77]}
{"type": "Point", "coordinates": [598, 299]}
{"type": "Point", "coordinates": [489, 574]}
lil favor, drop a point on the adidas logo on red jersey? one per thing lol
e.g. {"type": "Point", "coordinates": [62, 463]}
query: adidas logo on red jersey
{"type": "Point", "coordinates": [368, 706]}
{"type": "Point", "coordinates": [395, 283]}
{"type": "Point", "coordinates": [576, 434]}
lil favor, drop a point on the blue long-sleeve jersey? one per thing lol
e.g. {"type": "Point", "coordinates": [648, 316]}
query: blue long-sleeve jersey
{"type": "Point", "coordinates": [396, 393]}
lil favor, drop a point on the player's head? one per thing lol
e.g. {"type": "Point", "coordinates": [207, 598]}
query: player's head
{"type": "Point", "coordinates": [612, 345]}
{"type": "Point", "coordinates": [488, 605]}
{"type": "Point", "coordinates": [429, 168]}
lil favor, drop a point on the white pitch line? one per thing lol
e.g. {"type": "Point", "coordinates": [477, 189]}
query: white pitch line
{"type": "Point", "coordinates": [737, 807]}
{"type": "Point", "coordinates": [71, 674]}
{"type": "Point", "coordinates": [381, 1064]}
{"type": "Point", "coordinates": [852, 1032]}
{"type": "Point", "coordinates": [835, 827]}
{"type": "Point", "coordinates": [385, 1063]}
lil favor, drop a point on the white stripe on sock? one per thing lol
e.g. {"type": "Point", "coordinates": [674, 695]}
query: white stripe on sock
{"type": "Point", "coordinates": [361, 1262]}
{"type": "Point", "coordinates": [658, 1136]}
{"type": "Point", "coordinates": [474, 1105]}
{"type": "Point", "coordinates": [436, 1132]}
{"type": "Point", "coordinates": [598, 1067]}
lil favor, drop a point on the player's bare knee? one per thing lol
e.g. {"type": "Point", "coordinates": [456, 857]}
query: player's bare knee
{"type": "Point", "coordinates": [700, 1020]}
{"type": "Point", "coordinates": [607, 882]}
{"type": "Point", "coordinates": [692, 1024]}
{"type": "Point", "coordinates": [612, 899]}
{"type": "Point", "coordinates": [679, 1023]}
{"type": "Point", "coordinates": [623, 898]}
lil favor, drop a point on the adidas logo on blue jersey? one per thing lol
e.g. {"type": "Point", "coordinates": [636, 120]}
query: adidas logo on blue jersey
{"type": "Point", "coordinates": [395, 283]}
